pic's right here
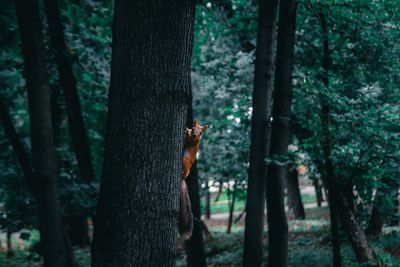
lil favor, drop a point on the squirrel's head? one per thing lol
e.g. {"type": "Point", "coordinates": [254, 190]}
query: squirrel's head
{"type": "Point", "coordinates": [194, 135]}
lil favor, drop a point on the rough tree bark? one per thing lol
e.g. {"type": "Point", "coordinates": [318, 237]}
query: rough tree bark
{"type": "Point", "coordinates": [295, 203]}
{"type": "Point", "coordinates": [53, 240]}
{"type": "Point", "coordinates": [280, 135]}
{"type": "Point", "coordinates": [136, 223]}
{"type": "Point", "coordinates": [260, 131]}
{"type": "Point", "coordinates": [337, 202]}
{"type": "Point", "coordinates": [194, 247]}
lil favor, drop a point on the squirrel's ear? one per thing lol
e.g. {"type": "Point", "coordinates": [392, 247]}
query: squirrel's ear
{"type": "Point", "coordinates": [187, 129]}
{"type": "Point", "coordinates": [205, 127]}
{"type": "Point", "coordinates": [194, 123]}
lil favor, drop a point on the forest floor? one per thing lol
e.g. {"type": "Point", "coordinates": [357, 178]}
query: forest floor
{"type": "Point", "coordinates": [309, 241]}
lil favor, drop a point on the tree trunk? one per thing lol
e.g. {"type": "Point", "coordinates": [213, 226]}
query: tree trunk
{"type": "Point", "coordinates": [194, 247]}
{"type": "Point", "coordinates": [18, 147]}
{"type": "Point", "coordinates": [336, 200]}
{"type": "Point", "coordinates": [10, 252]}
{"type": "Point", "coordinates": [52, 237]}
{"type": "Point", "coordinates": [231, 209]}
{"type": "Point", "coordinates": [375, 224]}
{"type": "Point", "coordinates": [318, 192]}
{"type": "Point", "coordinates": [354, 231]}
{"type": "Point", "coordinates": [77, 128]}
{"type": "Point", "coordinates": [79, 139]}
{"type": "Point", "coordinates": [76, 226]}
{"type": "Point", "coordinates": [280, 135]}
{"type": "Point", "coordinates": [381, 211]}
{"type": "Point", "coordinates": [207, 204]}
{"type": "Point", "coordinates": [295, 203]}
{"type": "Point", "coordinates": [326, 143]}
{"type": "Point", "coordinates": [78, 231]}
{"type": "Point", "coordinates": [260, 130]}
{"type": "Point", "coordinates": [137, 214]}
{"type": "Point", "coordinates": [220, 186]}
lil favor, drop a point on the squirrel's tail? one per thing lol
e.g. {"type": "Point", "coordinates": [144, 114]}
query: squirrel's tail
{"type": "Point", "coordinates": [185, 225]}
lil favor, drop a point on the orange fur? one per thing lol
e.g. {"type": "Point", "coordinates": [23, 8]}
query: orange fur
{"type": "Point", "coordinates": [192, 141]}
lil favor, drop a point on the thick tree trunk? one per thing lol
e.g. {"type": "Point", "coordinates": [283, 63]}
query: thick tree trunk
{"type": "Point", "coordinates": [77, 128]}
{"type": "Point", "coordinates": [260, 130]}
{"type": "Point", "coordinates": [336, 200]}
{"type": "Point", "coordinates": [295, 203]}
{"type": "Point", "coordinates": [194, 247]}
{"type": "Point", "coordinates": [231, 209]}
{"type": "Point", "coordinates": [137, 214]}
{"type": "Point", "coordinates": [280, 135]}
{"type": "Point", "coordinates": [53, 240]}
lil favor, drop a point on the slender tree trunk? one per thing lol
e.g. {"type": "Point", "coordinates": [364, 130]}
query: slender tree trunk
{"type": "Point", "coordinates": [18, 147]}
{"type": "Point", "coordinates": [295, 203]}
{"type": "Point", "coordinates": [375, 224]}
{"type": "Point", "coordinates": [336, 200]}
{"type": "Point", "coordinates": [196, 256]}
{"type": "Point", "coordinates": [240, 216]}
{"type": "Point", "coordinates": [231, 209]}
{"type": "Point", "coordinates": [354, 231]}
{"type": "Point", "coordinates": [137, 214]}
{"type": "Point", "coordinates": [10, 252]}
{"type": "Point", "coordinates": [325, 143]}
{"type": "Point", "coordinates": [318, 192]}
{"type": "Point", "coordinates": [280, 135]}
{"type": "Point", "coordinates": [260, 131]}
{"type": "Point", "coordinates": [220, 187]}
{"type": "Point", "coordinates": [381, 212]}
{"type": "Point", "coordinates": [75, 120]}
{"type": "Point", "coordinates": [52, 237]}
{"type": "Point", "coordinates": [207, 204]}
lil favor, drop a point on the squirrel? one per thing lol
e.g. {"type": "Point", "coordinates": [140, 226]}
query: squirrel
{"type": "Point", "coordinates": [191, 146]}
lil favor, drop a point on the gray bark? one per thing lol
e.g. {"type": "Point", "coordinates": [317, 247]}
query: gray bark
{"type": "Point", "coordinates": [136, 223]}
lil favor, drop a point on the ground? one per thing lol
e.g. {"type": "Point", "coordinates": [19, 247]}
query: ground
{"type": "Point", "coordinates": [309, 241]}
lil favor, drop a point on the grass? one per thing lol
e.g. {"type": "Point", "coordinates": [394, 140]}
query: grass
{"type": "Point", "coordinates": [309, 246]}
{"type": "Point", "coordinates": [222, 205]}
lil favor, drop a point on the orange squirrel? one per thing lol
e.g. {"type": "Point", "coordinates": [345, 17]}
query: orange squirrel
{"type": "Point", "coordinates": [191, 145]}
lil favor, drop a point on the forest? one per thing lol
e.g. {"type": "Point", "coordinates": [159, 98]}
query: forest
{"type": "Point", "coordinates": [199, 133]}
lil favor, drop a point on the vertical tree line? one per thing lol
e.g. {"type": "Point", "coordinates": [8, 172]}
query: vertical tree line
{"type": "Point", "coordinates": [53, 239]}
{"type": "Point", "coordinates": [280, 135]}
{"type": "Point", "coordinates": [260, 132]}
{"type": "Point", "coordinates": [136, 223]}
